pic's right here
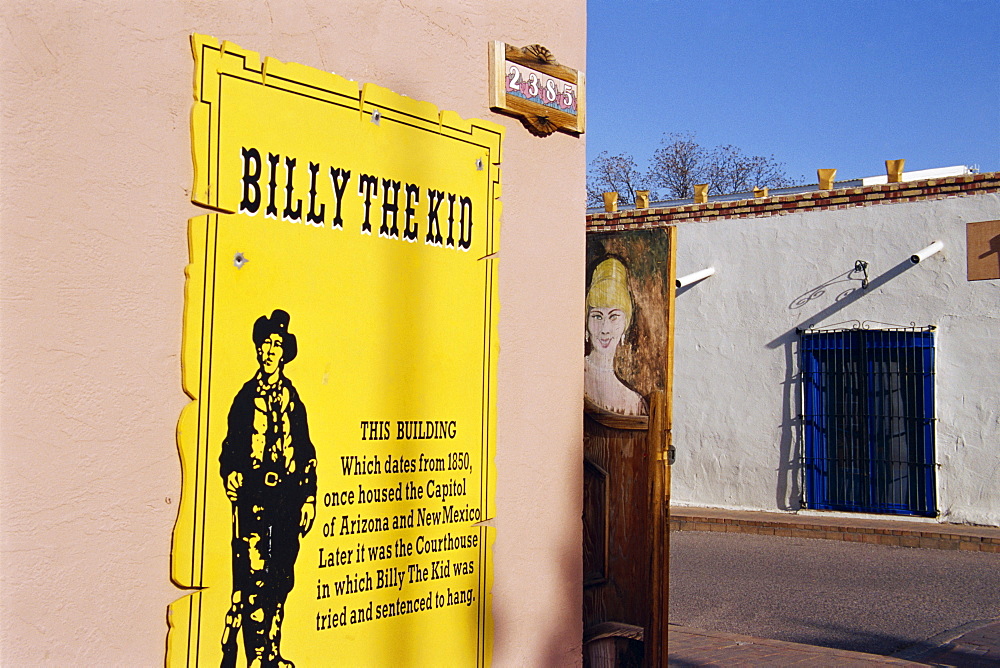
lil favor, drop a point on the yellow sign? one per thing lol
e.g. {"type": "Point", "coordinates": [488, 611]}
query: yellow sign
{"type": "Point", "coordinates": [340, 345]}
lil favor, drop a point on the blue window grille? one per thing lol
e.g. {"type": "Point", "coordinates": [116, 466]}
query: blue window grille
{"type": "Point", "coordinates": [868, 420]}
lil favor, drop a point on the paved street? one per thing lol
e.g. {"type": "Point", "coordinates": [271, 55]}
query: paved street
{"type": "Point", "coordinates": [850, 596]}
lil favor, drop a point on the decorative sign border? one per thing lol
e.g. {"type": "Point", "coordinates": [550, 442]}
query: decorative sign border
{"type": "Point", "coordinates": [216, 67]}
{"type": "Point", "coordinates": [528, 83]}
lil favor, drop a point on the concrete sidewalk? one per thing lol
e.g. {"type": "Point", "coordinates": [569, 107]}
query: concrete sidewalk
{"type": "Point", "coordinates": [977, 647]}
{"type": "Point", "coordinates": [897, 531]}
{"type": "Point", "coordinates": [697, 647]}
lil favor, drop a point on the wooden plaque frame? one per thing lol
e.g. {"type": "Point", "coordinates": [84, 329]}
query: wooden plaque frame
{"type": "Point", "coordinates": [528, 83]}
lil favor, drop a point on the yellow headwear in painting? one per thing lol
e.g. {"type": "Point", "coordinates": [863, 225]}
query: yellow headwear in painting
{"type": "Point", "coordinates": [609, 288]}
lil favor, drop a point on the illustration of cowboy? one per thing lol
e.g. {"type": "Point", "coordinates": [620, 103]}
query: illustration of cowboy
{"type": "Point", "coordinates": [268, 467]}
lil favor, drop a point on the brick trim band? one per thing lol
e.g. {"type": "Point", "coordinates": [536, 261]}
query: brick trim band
{"type": "Point", "coordinates": [815, 200]}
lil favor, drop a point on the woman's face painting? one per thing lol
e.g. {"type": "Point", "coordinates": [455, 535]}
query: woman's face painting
{"type": "Point", "coordinates": [606, 326]}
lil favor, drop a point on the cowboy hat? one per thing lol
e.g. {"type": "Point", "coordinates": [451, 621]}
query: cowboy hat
{"type": "Point", "coordinates": [276, 324]}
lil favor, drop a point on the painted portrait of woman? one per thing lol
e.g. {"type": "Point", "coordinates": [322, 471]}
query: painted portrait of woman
{"type": "Point", "coordinates": [609, 316]}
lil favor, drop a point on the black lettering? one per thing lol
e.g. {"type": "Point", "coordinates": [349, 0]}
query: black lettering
{"type": "Point", "coordinates": [451, 221]}
{"type": "Point", "coordinates": [464, 242]}
{"type": "Point", "coordinates": [251, 179]}
{"type": "Point", "coordinates": [272, 206]}
{"type": "Point", "coordinates": [339, 178]}
{"type": "Point", "coordinates": [435, 198]}
{"type": "Point", "coordinates": [291, 213]}
{"type": "Point", "coordinates": [412, 197]}
{"type": "Point", "coordinates": [314, 217]}
{"type": "Point", "coordinates": [367, 186]}
{"type": "Point", "coordinates": [389, 208]}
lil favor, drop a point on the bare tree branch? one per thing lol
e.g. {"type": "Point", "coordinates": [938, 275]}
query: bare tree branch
{"type": "Point", "coordinates": [678, 164]}
{"type": "Point", "coordinates": [729, 170]}
{"type": "Point", "coordinates": [613, 173]}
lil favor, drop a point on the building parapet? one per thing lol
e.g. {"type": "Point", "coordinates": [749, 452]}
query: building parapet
{"type": "Point", "coordinates": [813, 200]}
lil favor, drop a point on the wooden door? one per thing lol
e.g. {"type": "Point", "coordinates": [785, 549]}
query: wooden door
{"type": "Point", "coordinates": [626, 471]}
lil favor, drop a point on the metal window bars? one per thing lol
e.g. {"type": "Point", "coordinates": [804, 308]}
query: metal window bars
{"type": "Point", "coordinates": [868, 418]}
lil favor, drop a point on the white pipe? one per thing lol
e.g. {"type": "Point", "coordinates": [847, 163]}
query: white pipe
{"type": "Point", "coordinates": [695, 277]}
{"type": "Point", "coordinates": [925, 253]}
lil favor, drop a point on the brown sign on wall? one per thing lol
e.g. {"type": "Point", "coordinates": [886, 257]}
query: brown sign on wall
{"type": "Point", "coordinates": [983, 249]}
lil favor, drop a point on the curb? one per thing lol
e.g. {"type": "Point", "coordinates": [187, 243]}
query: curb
{"type": "Point", "coordinates": [694, 646]}
{"type": "Point", "coordinates": [899, 533]}
{"type": "Point", "coordinates": [939, 641]}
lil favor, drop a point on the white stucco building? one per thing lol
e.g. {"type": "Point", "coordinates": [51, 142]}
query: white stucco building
{"type": "Point", "coordinates": [820, 368]}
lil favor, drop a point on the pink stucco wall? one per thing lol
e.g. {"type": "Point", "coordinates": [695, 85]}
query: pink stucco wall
{"type": "Point", "coordinates": [95, 172]}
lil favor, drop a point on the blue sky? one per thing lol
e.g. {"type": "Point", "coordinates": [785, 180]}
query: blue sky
{"type": "Point", "coordinates": [845, 84]}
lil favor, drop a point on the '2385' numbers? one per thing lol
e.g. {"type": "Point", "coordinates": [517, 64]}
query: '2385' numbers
{"type": "Point", "coordinates": [530, 86]}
